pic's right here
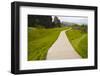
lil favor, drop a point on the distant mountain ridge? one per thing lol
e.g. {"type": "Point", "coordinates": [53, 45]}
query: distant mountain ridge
{"type": "Point", "coordinates": [70, 23]}
{"type": "Point", "coordinates": [67, 23]}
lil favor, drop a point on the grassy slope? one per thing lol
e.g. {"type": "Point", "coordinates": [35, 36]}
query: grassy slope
{"type": "Point", "coordinates": [40, 40]}
{"type": "Point", "coordinates": [79, 42]}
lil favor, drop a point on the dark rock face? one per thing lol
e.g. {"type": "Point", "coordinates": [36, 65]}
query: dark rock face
{"type": "Point", "coordinates": [56, 22]}
{"type": "Point", "coordinates": [39, 21]}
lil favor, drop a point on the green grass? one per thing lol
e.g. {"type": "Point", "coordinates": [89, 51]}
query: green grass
{"type": "Point", "coordinates": [79, 41]}
{"type": "Point", "coordinates": [40, 40]}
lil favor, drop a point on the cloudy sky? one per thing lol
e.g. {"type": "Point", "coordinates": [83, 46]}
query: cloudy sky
{"type": "Point", "coordinates": [79, 20]}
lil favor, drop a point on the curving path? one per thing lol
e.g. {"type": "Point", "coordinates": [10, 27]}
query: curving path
{"type": "Point", "coordinates": [62, 49]}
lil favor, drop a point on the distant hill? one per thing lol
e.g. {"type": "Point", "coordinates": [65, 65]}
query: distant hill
{"type": "Point", "coordinates": [71, 23]}
{"type": "Point", "coordinates": [67, 23]}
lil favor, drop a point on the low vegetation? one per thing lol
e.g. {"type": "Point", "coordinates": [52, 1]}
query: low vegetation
{"type": "Point", "coordinates": [79, 40]}
{"type": "Point", "coordinates": [40, 40]}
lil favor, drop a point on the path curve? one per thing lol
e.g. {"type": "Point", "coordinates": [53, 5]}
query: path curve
{"type": "Point", "coordinates": [62, 49]}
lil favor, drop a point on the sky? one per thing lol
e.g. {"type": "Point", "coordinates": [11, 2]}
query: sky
{"type": "Point", "coordinates": [74, 19]}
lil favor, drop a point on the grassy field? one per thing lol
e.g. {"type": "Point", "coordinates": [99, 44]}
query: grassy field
{"type": "Point", "coordinates": [40, 40]}
{"type": "Point", "coordinates": [79, 41]}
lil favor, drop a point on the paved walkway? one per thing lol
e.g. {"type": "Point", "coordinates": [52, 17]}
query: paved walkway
{"type": "Point", "coordinates": [62, 49]}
